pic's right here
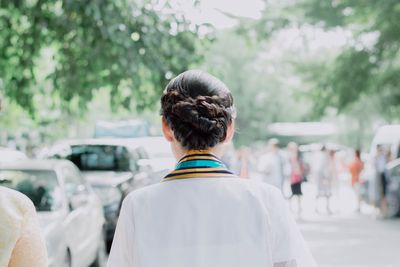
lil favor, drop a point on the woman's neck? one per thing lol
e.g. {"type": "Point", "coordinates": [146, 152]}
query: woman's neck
{"type": "Point", "coordinates": [180, 152]}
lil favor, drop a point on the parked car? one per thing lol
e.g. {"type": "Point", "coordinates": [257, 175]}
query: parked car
{"type": "Point", "coordinates": [114, 167]}
{"type": "Point", "coordinates": [388, 137]}
{"type": "Point", "coordinates": [9, 155]}
{"type": "Point", "coordinates": [156, 153]}
{"type": "Point", "coordinates": [393, 188]}
{"type": "Point", "coordinates": [70, 213]}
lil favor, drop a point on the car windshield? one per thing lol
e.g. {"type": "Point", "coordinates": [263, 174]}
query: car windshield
{"type": "Point", "coordinates": [41, 186]}
{"type": "Point", "coordinates": [100, 157]}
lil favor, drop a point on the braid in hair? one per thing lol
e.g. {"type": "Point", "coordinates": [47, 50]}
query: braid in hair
{"type": "Point", "coordinates": [198, 122]}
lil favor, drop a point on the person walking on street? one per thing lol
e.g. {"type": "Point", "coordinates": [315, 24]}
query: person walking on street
{"type": "Point", "coordinates": [244, 155]}
{"type": "Point", "coordinates": [355, 168]}
{"type": "Point", "coordinates": [326, 172]}
{"type": "Point", "coordinates": [201, 214]}
{"type": "Point", "coordinates": [272, 165]}
{"type": "Point", "coordinates": [381, 179]}
{"type": "Point", "coordinates": [296, 173]}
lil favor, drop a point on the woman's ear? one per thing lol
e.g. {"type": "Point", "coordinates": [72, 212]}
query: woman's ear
{"type": "Point", "coordinates": [167, 132]}
{"type": "Point", "coordinates": [230, 132]}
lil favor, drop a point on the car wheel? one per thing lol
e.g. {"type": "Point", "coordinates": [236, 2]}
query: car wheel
{"type": "Point", "coordinates": [68, 259]}
{"type": "Point", "coordinates": [101, 256]}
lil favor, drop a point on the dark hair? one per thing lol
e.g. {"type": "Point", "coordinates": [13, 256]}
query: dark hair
{"type": "Point", "coordinates": [198, 107]}
{"type": "Point", "coordinates": [358, 153]}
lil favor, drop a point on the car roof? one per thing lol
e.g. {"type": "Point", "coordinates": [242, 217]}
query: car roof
{"type": "Point", "coordinates": [154, 144]}
{"type": "Point", "coordinates": [151, 144]}
{"type": "Point", "coordinates": [100, 141]}
{"type": "Point", "coordinates": [127, 142]}
{"type": "Point", "coordinates": [149, 140]}
{"type": "Point", "coordinates": [34, 164]}
{"type": "Point", "coordinates": [10, 154]}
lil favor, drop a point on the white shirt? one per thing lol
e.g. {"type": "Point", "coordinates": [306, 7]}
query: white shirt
{"type": "Point", "coordinates": [380, 163]}
{"type": "Point", "coordinates": [207, 222]}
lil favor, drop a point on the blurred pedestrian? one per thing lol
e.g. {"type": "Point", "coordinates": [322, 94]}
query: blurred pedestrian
{"type": "Point", "coordinates": [296, 173]}
{"type": "Point", "coordinates": [244, 161]}
{"type": "Point", "coordinates": [21, 243]}
{"type": "Point", "coordinates": [201, 214]}
{"type": "Point", "coordinates": [11, 142]}
{"type": "Point", "coordinates": [389, 156]}
{"type": "Point", "coordinates": [355, 168]}
{"type": "Point", "coordinates": [326, 172]}
{"type": "Point", "coordinates": [230, 159]}
{"type": "Point", "coordinates": [271, 165]}
{"type": "Point", "coordinates": [381, 179]}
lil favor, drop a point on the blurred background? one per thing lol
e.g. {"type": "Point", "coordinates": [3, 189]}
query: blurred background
{"type": "Point", "coordinates": [313, 81]}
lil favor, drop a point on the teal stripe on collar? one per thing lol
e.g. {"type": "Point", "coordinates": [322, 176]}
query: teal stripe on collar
{"type": "Point", "coordinates": [200, 163]}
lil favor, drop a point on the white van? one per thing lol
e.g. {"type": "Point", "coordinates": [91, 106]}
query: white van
{"type": "Point", "coordinates": [388, 137]}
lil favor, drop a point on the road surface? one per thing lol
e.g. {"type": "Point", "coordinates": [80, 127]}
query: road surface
{"type": "Point", "coordinates": [347, 238]}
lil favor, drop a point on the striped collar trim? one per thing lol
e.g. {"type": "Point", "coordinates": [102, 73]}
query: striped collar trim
{"type": "Point", "coordinates": [198, 154]}
{"type": "Point", "coordinates": [200, 175]}
{"type": "Point", "coordinates": [199, 164]}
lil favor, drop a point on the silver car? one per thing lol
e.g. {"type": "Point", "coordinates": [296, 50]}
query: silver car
{"type": "Point", "coordinates": [114, 167]}
{"type": "Point", "coordinates": [70, 213]}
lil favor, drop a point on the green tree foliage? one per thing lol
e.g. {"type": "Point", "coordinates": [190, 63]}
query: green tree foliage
{"type": "Point", "coordinates": [130, 47]}
{"type": "Point", "coordinates": [263, 84]}
{"type": "Point", "coordinates": [370, 63]}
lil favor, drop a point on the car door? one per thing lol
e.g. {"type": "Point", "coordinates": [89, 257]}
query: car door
{"type": "Point", "coordinates": [84, 222]}
{"type": "Point", "coordinates": [393, 190]}
{"type": "Point", "coordinates": [141, 171]}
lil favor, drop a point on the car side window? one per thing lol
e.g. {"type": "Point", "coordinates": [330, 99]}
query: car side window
{"type": "Point", "coordinates": [398, 151]}
{"type": "Point", "coordinates": [123, 158]}
{"type": "Point", "coordinates": [396, 171]}
{"type": "Point", "coordinates": [74, 183]}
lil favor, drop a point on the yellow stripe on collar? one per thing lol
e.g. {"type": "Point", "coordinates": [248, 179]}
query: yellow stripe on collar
{"type": "Point", "coordinates": [197, 157]}
{"type": "Point", "coordinates": [197, 170]}
{"type": "Point", "coordinates": [199, 175]}
{"type": "Point", "coordinates": [198, 151]}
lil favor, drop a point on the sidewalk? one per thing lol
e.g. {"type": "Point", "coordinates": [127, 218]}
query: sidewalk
{"type": "Point", "coordinates": [347, 238]}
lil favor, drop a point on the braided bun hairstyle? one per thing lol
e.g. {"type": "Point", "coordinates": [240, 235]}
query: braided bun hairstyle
{"type": "Point", "coordinates": [198, 108]}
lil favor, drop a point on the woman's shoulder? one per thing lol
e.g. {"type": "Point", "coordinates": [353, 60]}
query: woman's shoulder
{"type": "Point", "coordinates": [13, 203]}
{"type": "Point", "coordinates": [267, 190]}
{"type": "Point", "coordinates": [237, 185]}
{"type": "Point", "coordinates": [14, 195]}
{"type": "Point", "coordinates": [143, 192]}
{"type": "Point", "coordinates": [14, 209]}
